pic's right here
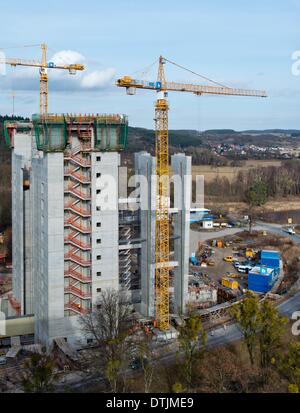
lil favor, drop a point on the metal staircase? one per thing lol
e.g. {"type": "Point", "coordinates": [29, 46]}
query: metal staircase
{"type": "Point", "coordinates": [125, 259]}
{"type": "Point", "coordinates": [78, 243]}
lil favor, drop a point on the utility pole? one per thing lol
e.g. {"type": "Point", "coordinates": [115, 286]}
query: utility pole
{"type": "Point", "coordinates": [13, 94]}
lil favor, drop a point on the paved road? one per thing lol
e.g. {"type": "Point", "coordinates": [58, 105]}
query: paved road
{"type": "Point", "coordinates": [276, 229]}
{"type": "Point", "coordinates": [202, 236]}
{"type": "Point", "coordinates": [232, 333]}
{"type": "Point", "coordinates": [218, 337]}
{"type": "Point", "coordinates": [291, 305]}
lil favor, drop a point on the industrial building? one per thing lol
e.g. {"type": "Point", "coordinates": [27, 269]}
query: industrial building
{"type": "Point", "coordinates": [74, 235]}
{"type": "Point", "coordinates": [262, 278]}
{"type": "Point", "coordinates": [270, 259]}
{"type": "Point", "coordinates": [203, 217]}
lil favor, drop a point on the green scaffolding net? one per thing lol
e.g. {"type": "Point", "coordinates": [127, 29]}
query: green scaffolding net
{"type": "Point", "coordinates": [110, 136]}
{"type": "Point", "coordinates": [52, 131]}
{"type": "Point", "coordinates": [50, 134]}
{"type": "Point", "coordinates": [7, 133]}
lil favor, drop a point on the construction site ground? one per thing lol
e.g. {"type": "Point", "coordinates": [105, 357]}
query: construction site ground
{"type": "Point", "coordinates": [263, 236]}
{"type": "Point", "coordinates": [221, 268]}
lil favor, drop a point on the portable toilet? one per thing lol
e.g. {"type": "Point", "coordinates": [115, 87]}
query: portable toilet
{"type": "Point", "coordinates": [219, 244]}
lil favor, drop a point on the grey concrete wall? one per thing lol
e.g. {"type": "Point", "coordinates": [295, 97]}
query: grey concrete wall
{"type": "Point", "coordinates": [21, 158]}
{"type": "Point", "coordinates": [17, 228]}
{"type": "Point", "coordinates": [182, 166]}
{"type": "Point", "coordinates": [145, 165]}
{"type": "Point", "coordinates": [49, 246]}
{"type": "Point", "coordinates": [108, 217]}
{"type": "Point", "coordinates": [28, 282]}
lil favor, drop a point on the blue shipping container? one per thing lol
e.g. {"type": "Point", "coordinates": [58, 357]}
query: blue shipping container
{"type": "Point", "coordinates": [270, 259]}
{"type": "Point", "coordinates": [261, 279]}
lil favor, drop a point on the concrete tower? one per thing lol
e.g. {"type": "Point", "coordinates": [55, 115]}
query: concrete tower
{"type": "Point", "coordinates": [66, 229]}
{"type": "Point", "coordinates": [145, 166]}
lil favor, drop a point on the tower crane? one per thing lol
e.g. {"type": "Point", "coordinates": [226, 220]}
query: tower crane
{"type": "Point", "coordinates": [43, 66]}
{"type": "Point", "coordinates": [162, 246]}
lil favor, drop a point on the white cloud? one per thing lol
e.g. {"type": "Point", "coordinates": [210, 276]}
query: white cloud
{"type": "Point", "coordinates": [98, 79]}
{"type": "Point", "coordinates": [26, 78]}
{"type": "Point", "coordinates": [67, 57]}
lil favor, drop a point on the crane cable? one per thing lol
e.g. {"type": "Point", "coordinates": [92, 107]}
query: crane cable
{"type": "Point", "coordinates": [146, 69]}
{"type": "Point", "coordinates": [194, 73]}
{"type": "Point", "coordinates": [142, 71]}
{"type": "Point", "coordinates": [20, 47]}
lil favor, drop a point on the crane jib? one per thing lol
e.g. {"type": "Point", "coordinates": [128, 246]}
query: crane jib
{"type": "Point", "coordinates": [162, 232]}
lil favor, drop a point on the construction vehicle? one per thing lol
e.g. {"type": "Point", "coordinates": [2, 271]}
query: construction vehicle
{"type": "Point", "coordinates": [249, 253]}
{"type": "Point", "coordinates": [244, 268]}
{"type": "Point", "coordinates": [3, 361]}
{"type": "Point", "coordinates": [43, 66]}
{"type": "Point", "coordinates": [162, 87]}
{"type": "Point", "coordinates": [233, 275]}
{"type": "Point", "coordinates": [228, 283]}
{"type": "Point", "coordinates": [290, 231]}
{"type": "Point", "coordinates": [229, 258]}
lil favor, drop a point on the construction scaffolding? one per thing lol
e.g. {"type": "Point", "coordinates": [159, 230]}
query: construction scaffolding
{"type": "Point", "coordinates": [104, 132]}
{"type": "Point", "coordinates": [129, 236]}
{"type": "Point", "coordinates": [78, 223]}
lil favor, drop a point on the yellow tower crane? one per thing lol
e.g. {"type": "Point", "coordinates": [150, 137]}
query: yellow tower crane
{"type": "Point", "coordinates": [161, 86]}
{"type": "Point", "coordinates": [43, 66]}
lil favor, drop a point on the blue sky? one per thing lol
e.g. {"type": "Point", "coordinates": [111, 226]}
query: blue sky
{"type": "Point", "coordinates": [239, 43]}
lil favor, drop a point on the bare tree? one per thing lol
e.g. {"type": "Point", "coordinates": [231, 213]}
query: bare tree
{"type": "Point", "coordinates": [109, 326]}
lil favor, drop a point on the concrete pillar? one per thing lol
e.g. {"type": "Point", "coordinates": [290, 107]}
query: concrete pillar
{"type": "Point", "coordinates": [28, 273]}
{"type": "Point", "coordinates": [145, 167]}
{"type": "Point", "coordinates": [182, 167]}
{"type": "Point", "coordinates": [48, 235]}
{"type": "Point", "coordinates": [21, 215]}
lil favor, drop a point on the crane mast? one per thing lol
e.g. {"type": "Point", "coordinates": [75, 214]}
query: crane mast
{"type": "Point", "coordinates": [162, 246]}
{"type": "Point", "coordinates": [44, 83]}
